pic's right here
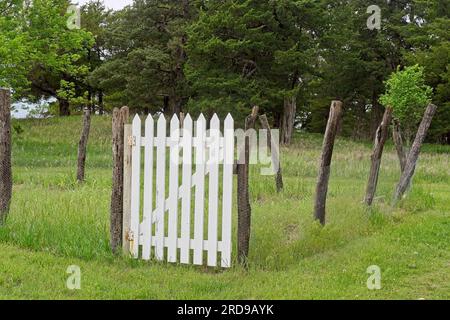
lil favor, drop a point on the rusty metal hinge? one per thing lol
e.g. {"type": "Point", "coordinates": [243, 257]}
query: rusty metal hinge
{"type": "Point", "coordinates": [132, 141]}
{"type": "Point", "coordinates": [130, 236]}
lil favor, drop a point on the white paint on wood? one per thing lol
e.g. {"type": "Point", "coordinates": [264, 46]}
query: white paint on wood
{"type": "Point", "coordinates": [213, 165]}
{"type": "Point", "coordinates": [126, 222]}
{"type": "Point", "coordinates": [228, 156]}
{"type": "Point", "coordinates": [160, 188]}
{"type": "Point", "coordinates": [185, 191]}
{"type": "Point", "coordinates": [217, 150]}
{"type": "Point", "coordinates": [135, 186]}
{"type": "Point", "coordinates": [148, 188]}
{"type": "Point", "coordinates": [200, 160]}
{"type": "Point", "coordinates": [173, 189]}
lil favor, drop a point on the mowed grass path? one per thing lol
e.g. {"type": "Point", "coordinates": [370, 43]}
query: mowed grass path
{"type": "Point", "coordinates": [55, 223]}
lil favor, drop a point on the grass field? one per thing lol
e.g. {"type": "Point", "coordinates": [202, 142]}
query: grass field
{"type": "Point", "coordinates": [55, 223]}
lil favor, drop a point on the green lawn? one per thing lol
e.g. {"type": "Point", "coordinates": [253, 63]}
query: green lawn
{"type": "Point", "coordinates": [55, 223]}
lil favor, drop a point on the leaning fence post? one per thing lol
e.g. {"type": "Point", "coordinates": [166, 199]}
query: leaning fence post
{"type": "Point", "coordinates": [243, 196]}
{"type": "Point", "coordinates": [5, 154]}
{"type": "Point", "coordinates": [82, 145]}
{"type": "Point", "coordinates": [380, 139]}
{"type": "Point", "coordinates": [120, 117]}
{"type": "Point", "coordinates": [327, 154]}
{"type": "Point", "coordinates": [413, 156]}
{"type": "Point", "coordinates": [275, 154]}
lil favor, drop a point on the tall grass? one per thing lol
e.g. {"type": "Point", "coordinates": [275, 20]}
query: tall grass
{"type": "Point", "coordinates": [55, 222]}
{"type": "Point", "coordinates": [51, 212]}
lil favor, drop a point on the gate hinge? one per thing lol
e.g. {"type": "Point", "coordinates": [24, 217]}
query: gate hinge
{"type": "Point", "coordinates": [130, 236]}
{"type": "Point", "coordinates": [132, 141]}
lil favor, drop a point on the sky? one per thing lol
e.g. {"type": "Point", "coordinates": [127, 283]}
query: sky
{"type": "Point", "coordinates": [112, 4]}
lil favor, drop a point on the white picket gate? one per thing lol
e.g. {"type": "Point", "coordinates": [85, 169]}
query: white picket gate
{"type": "Point", "coordinates": [174, 222]}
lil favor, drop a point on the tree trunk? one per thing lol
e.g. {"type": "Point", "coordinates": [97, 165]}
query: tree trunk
{"type": "Point", "coordinates": [5, 154]}
{"type": "Point", "coordinates": [101, 107]}
{"type": "Point", "coordinates": [176, 107]}
{"type": "Point", "coordinates": [376, 116]}
{"type": "Point", "coordinates": [82, 146]}
{"type": "Point", "coordinates": [166, 106]}
{"type": "Point", "coordinates": [380, 139]}
{"type": "Point", "coordinates": [447, 138]}
{"type": "Point", "coordinates": [243, 196]}
{"type": "Point", "coordinates": [64, 108]}
{"type": "Point", "coordinates": [327, 154]}
{"type": "Point", "coordinates": [413, 156]}
{"type": "Point", "coordinates": [288, 119]}
{"type": "Point", "coordinates": [275, 153]}
{"type": "Point", "coordinates": [176, 98]}
{"type": "Point", "coordinates": [120, 117]}
{"type": "Point", "coordinates": [91, 105]}
{"type": "Point", "coordinates": [398, 141]}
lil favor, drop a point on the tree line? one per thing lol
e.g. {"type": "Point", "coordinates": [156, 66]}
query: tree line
{"type": "Point", "coordinates": [289, 57]}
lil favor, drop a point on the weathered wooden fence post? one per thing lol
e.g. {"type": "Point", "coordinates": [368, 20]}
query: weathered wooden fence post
{"type": "Point", "coordinates": [126, 222]}
{"type": "Point", "coordinates": [243, 196]}
{"type": "Point", "coordinates": [398, 141]}
{"type": "Point", "coordinates": [120, 117]}
{"type": "Point", "coordinates": [274, 153]}
{"type": "Point", "coordinates": [82, 145]}
{"type": "Point", "coordinates": [5, 154]}
{"type": "Point", "coordinates": [413, 156]}
{"type": "Point", "coordinates": [380, 139]}
{"type": "Point", "coordinates": [327, 154]}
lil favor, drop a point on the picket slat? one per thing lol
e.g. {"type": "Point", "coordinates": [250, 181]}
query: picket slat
{"type": "Point", "coordinates": [186, 191]}
{"type": "Point", "coordinates": [148, 188]}
{"type": "Point", "coordinates": [173, 189]}
{"type": "Point", "coordinates": [135, 185]}
{"type": "Point", "coordinates": [213, 165]}
{"type": "Point", "coordinates": [199, 191]}
{"type": "Point", "coordinates": [228, 163]}
{"type": "Point", "coordinates": [160, 188]}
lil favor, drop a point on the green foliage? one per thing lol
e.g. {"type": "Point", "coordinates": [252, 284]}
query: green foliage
{"type": "Point", "coordinates": [226, 56]}
{"type": "Point", "coordinates": [432, 43]}
{"type": "Point", "coordinates": [408, 95]}
{"type": "Point", "coordinates": [40, 56]}
{"type": "Point", "coordinates": [144, 62]}
{"type": "Point", "coordinates": [57, 68]}
{"type": "Point", "coordinates": [245, 53]}
{"type": "Point", "coordinates": [14, 48]}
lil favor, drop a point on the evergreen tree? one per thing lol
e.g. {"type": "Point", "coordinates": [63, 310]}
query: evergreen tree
{"type": "Point", "coordinates": [144, 69]}
{"type": "Point", "coordinates": [245, 53]}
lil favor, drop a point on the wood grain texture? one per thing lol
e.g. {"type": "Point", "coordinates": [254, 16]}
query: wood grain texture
{"type": "Point", "coordinates": [82, 145]}
{"type": "Point", "coordinates": [5, 154]}
{"type": "Point", "coordinates": [413, 156]}
{"type": "Point", "coordinates": [120, 117]}
{"type": "Point", "coordinates": [126, 221]}
{"type": "Point", "coordinates": [325, 162]}
{"type": "Point", "coordinates": [398, 142]}
{"type": "Point", "coordinates": [274, 153]}
{"type": "Point", "coordinates": [243, 194]}
{"type": "Point", "coordinates": [380, 140]}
